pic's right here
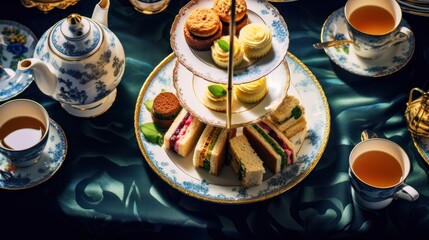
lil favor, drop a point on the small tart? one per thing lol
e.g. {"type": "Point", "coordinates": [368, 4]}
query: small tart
{"type": "Point", "coordinates": [220, 57]}
{"type": "Point", "coordinates": [256, 39]}
{"type": "Point", "coordinates": [215, 103]}
{"type": "Point", "coordinates": [252, 92]}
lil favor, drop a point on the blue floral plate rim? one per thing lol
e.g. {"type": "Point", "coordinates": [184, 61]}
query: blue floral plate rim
{"type": "Point", "coordinates": [51, 160]}
{"type": "Point", "coordinates": [334, 28]}
{"type": "Point", "coordinates": [19, 45]}
{"type": "Point", "coordinates": [225, 189]}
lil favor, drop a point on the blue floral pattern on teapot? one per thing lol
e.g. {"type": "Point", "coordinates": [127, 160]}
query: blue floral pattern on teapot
{"type": "Point", "coordinates": [78, 61]}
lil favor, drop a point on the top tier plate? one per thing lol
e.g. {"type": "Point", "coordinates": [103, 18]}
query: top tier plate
{"type": "Point", "coordinates": [201, 63]}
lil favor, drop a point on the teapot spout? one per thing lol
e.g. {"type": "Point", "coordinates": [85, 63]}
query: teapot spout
{"type": "Point", "coordinates": [44, 77]}
{"type": "Point", "coordinates": [101, 11]}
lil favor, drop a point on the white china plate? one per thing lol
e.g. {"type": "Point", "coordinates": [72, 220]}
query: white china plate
{"type": "Point", "coordinates": [225, 188]}
{"type": "Point", "coordinates": [201, 63]}
{"type": "Point", "coordinates": [19, 43]}
{"type": "Point", "coordinates": [344, 56]}
{"type": "Point", "coordinates": [52, 158]}
{"type": "Point", "coordinates": [190, 91]}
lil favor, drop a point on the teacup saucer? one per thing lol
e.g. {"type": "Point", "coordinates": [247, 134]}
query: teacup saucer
{"type": "Point", "coordinates": [17, 43]}
{"type": "Point", "coordinates": [50, 161]}
{"type": "Point", "coordinates": [335, 28]}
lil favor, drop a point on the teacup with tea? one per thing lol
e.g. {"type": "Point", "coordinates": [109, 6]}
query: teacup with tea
{"type": "Point", "coordinates": [375, 26]}
{"type": "Point", "coordinates": [24, 130]}
{"type": "Point", "coordinates": [378, 169]}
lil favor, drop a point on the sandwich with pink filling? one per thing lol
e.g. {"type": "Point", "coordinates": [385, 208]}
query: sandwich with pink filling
{"type": "Point", "coordinates": [271, 145]}
{"type": "Point", "coordinates": [183, 134]}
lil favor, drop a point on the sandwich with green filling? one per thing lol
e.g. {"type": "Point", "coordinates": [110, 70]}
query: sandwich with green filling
{"type": "Point", "coordinates": [246, 164]}
{"type": "Point", "coordinates": [289, 116]}
{"type": "Point", "coordinates": [210, 151]}
{"type": "Point", "coordinates": [271, 145]}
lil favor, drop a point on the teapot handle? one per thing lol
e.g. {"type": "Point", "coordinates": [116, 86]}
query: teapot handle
{"type": "Point", "coordinates": [423, 93]}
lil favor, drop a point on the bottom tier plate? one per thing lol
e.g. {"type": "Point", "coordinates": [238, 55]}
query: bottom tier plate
{"type": "Point", "coordinates": [225, 188]}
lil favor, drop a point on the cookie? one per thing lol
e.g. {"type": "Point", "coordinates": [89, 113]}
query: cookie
{"type": "Point", "coordinates": [165, 108]}
{"type": "Point", "coordinates": [223, 9]}
{"type": "Point", "coordinates": [202, 28]}
{"type": "Point", "coordinates": [202, 22]}
{"type": "Point", "coordinates": [201, 43]}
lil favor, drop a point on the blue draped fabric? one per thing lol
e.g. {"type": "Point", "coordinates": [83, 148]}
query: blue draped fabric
{"type": "Point", "coordinates": [105, 187]}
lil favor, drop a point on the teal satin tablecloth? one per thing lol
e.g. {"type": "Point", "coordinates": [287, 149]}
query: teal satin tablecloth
{"type": "Point", "coordinates": [105, 188]}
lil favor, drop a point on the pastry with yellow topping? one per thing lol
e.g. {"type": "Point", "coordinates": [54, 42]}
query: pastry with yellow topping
{"type": "Point", "coordinates": [256, 39]}
{"type": "Point", "coordinates": [215, 97]}
{"type": "Point", "coordinates": [220, 52]}
{"type": "Point", "coordinates": [252, 92]}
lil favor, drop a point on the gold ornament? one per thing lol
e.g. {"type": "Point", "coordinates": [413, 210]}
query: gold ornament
{"type": "Point", "coordinates": [417, 113]}
{"type": "Point", "coordinates": [47, 5]}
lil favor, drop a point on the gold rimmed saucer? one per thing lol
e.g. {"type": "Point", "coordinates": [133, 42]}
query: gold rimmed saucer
{"type": "Point", "coordinates": [47, 5]}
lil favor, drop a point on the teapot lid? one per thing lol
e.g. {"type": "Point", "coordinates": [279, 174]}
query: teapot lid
{"type": "Point", "coordinates": [75, 37]}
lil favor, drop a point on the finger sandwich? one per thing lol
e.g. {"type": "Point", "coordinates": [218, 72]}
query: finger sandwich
{"type": "Point", "coordinates": [270, 144]}
{"type": "Point", "coordinates": [210, 152]}
{"type": "Point", "coordinates": [245, 162]}
{"type": "Point", "coordinates": [183, 133]}
{"type": "Point", "coordinates": [289, 116]}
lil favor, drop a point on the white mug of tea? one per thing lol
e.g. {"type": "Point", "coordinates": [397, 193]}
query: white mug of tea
{"type": "Point", "coordinates": [375, 26]}
{"type": "Point", "coordinates": [378, 168]}
{"type": "Point", "coordinates": [24, 130]}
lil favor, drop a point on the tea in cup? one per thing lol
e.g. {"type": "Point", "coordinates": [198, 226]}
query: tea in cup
{"type": "Point", "coordinates": [375, 26]}
{"type": "Point", "coordinates": [24, 130]}
{"type": "Point", "coordinates": [378, 168]}
{"type": "Point", "coordinates": [150, 6]}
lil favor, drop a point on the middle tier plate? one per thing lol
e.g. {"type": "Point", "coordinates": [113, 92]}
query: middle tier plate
{"type": "Point", "coordinates": [201, 63]}
{"type": "Point", "coordinates": [190, 91]}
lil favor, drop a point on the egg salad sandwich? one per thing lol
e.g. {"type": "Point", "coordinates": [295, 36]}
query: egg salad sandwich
{"type": "Point", "coordinates": [270, 144]}
{"type": "Point", "coordinates": [183, 133]}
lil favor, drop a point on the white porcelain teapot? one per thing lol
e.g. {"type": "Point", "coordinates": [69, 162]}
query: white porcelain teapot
{"type": "Point", "coordinates": [79, 62]}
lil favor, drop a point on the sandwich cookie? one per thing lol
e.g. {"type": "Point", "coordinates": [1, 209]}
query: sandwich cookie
{"type": "Point", "coordinates": [202, 28]}
{"type": "Point", "coordinates": [270, 144]}
{"type": "Point", "coordinates": [223, 9]}
{"type": "Point", "coordinates": [183, 133]}
{"type": "Point", "coordinates": [165, 108]}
